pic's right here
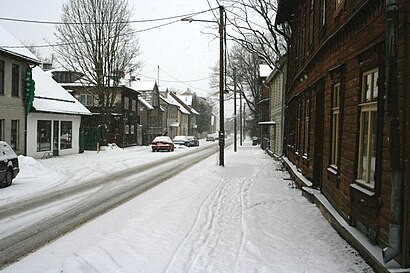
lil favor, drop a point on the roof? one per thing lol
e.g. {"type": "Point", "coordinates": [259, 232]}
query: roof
{"type": "Point", "coordinates": [11, 45]}
{"type": "Point", "coordinates": [143, 85]}
{"type": "Point", "coordinates": [173, 98]}
{"type": "Point", "coordinates": [167, 101]}
{"type": "Point", "coordinates": [264, 70]}
{"type": "Point", "coordinates": [49, 96]}
{"type": "Point", "coordinates": [145, 103]}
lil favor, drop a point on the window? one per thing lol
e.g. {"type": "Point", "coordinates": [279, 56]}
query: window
{"type": "Point", "coordinates": [126, 103]}
{"type": "Point", "coordinates": [297, 140]}
{"type": "Point", "coordinates": [15, 80]}
{"type": "Point", "coordinates": [311, 21]}
{"type": "Point", "coordinates": [132, 129]}
{"type": "Point", "coordinates": [2, 129]}
{"type": "Point", "coordinates": [1, 77]}
{"type": "Point", "coordinates": [368, 126]}
{"type": "Point", "coordinates": [306, 136]}
{"type": "Point", "coordinates": [134, 105]}
{"type": "Point", "coordinates": [14, 134]}
{"type": "Point", "coordinates": [127, 129]}
{"type": "Point", "coordinates": [335, 113]}
{"type": "Point", "coordinates": [66, 137]}
{"type": "Point", "coordinates": [322, 18]}
{"type": "Point", "coordinates": [86, 99]}
{"type": "Point", "coordinates": [43, 135]}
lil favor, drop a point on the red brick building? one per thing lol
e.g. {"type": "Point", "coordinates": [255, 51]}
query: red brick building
{"type": "Point", "coordinates": [347, 111]}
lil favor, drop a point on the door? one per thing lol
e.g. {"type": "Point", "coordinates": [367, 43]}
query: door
{"type": "Point", "coordinates": [56, 136]}
{"type": "Point", "coordinates": [318, 143]}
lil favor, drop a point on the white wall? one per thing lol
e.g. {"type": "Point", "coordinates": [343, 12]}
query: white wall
{"type": "Point", "coordinates": [32, 119]}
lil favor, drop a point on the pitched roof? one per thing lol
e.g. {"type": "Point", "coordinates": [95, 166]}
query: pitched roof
{"type": "Point", "coordinates": [143, 85]}
{"type": "Point", "coordinates": [49, 96]}
{"type": "Point", "coordinates": [145, 103]}
{"type": "Point", "coordinates": [174, 99]}
{"type": "Point", "coordinates": [11, 45]}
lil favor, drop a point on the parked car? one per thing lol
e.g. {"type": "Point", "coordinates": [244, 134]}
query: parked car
{"type": "Point", "coordinates": [9, 165]}
{"type": "Point", "coordinates": [210, 137]}
{"type": "Point", "coordinates": [193, 141]}
{"type": "Point", "coordinates": [162, 143]}
{"type": "Point", "coordinates": [181, 140]}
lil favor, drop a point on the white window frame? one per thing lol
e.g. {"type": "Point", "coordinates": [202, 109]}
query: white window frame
{"type": "Point", "coordinates": [368, 106]}
{"type": "Point", "coordinates": [335, 117]}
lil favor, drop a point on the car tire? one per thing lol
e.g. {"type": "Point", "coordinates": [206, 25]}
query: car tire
{"type": "Point", "coordinates": [9, 177]}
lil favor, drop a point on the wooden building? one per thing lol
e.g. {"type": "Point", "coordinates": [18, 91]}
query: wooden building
{"type": "Point", "coordinates": [347, 111]}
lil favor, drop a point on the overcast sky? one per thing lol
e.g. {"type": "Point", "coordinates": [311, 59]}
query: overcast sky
{"type": "Point", "coordinates": [181, 51]}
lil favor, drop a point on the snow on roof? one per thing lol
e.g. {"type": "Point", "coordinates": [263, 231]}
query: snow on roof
{"type": "Point", "coordinates": [180, 107]}
{"type": "Point", "coordinates": [7, 41]}
{"type": "Point", "coordinates": [264, 70]}
{"type": "Point", "coordinates": [167, 100]}
{"type": "Point", "coordinates": [194, 111]}
{"type": "Point", "coordinates": [145, 103]}
{"type": "Point", "coordinates": [49, 96]}
{"type": "Point", "coordinates": [143, 85]}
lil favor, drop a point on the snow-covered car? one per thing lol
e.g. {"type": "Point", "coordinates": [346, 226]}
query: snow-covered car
{"type": "Point", "coordinates": [9, 165]}
{"type": "Point", "coordinates": [181, 140]}
{"type": "Point", "coordinates": [193, 141]}
{"type": "Point", "coordinates": [163, 143]}
{"type": "Point", "coordinates": [210, 137]}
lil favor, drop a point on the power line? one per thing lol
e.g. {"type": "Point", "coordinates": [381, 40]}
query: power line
{"type": "Point", "coordinates": [92, 23]}
{"type": "Point", "coordinates": [83, 42]}
{"type": "Point", "coordinates": [184, 83]}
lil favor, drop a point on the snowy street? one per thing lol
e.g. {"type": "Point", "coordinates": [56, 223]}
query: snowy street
{"type": "Point", "coordinates": [243, 217]}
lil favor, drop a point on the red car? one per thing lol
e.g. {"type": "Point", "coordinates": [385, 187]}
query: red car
{"type": "Point", "coordinates": [162, 143]}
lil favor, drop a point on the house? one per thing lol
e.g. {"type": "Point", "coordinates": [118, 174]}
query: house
{"type": "Point", "coordinates": [347, 114]}
{"type": "Point", "coordinates": [183, 114]}
{"type": "Point", "coordinates": [187, 99]}
{"type": "Point", "coordinates": [122, 120]}
{"type": "Point", "coordinates": [15, 61]}
{"type": "Point", "coordinates": [170, 117]}
{"type": "Point", "coordinates": [149, 94]}
{"type": "Point", "coordinates": [53, 122]}
{"type": "Point", "coordinates": [265, 122]}
{"type": "Point", "coordinates": [276, 84]}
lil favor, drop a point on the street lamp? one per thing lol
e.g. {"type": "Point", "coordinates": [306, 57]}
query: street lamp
{"type": "Point", "coordinates": [221, 136]}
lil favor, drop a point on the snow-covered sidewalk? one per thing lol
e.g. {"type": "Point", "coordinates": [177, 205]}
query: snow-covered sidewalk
{"type": "Point", "coordinates": [243, 217]}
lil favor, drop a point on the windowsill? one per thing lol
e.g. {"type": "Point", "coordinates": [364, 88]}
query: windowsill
{"type": "Point", "coordinates": [305, 157]}
{"type": "Point", "coordinates": [332, 169]}
{"type": "Point", "coordinates": [360, 186]}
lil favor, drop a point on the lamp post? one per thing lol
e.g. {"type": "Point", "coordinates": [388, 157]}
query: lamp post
{"type": "Point", "coordinates": [221, 136]}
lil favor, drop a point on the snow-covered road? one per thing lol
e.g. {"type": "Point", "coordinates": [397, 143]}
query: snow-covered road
{"type": "Point", "coordinates": [243, 217]}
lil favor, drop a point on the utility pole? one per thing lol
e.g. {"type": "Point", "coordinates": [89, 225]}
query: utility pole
{"type": "Point", "coordinates": [240, 116]}
{"type": "Point", "coordinates": [221, 137]}
{"type": "Point", "coordinates": [234, 110]}
{"type": "Point", "coordinates": [158, 75]}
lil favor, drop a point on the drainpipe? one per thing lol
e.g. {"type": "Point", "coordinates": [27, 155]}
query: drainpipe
{"type": "Point", "coordinates": [395, 225]}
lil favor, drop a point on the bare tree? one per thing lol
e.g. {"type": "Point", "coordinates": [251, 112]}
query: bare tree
{"type": "Point", "coordinates": [251, 24]}
{"type": "Point", "coordinates": [97, 40]}
{"type": "Point", "coordinates": [246, 65]}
